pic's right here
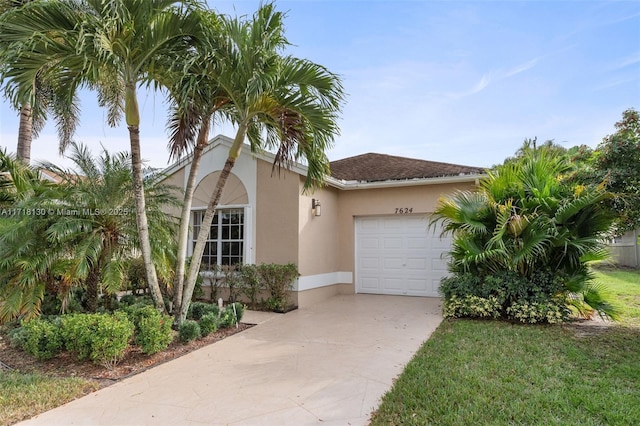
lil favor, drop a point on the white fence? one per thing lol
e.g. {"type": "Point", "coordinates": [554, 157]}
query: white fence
{"type": "Point", "coordinates": [625, 249]}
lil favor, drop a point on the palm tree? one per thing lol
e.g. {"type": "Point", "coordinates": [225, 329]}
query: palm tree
{"type": "Point", "coordinates": [524, 218]}
{"type": "Point", "coordinates": [33, 99]}
{"type": "Point", "coordinates": [277, 102]}
{"type": "Point", "coordinates": [196, 97]}
{"type": "Point", "coordinates": [83, 234]}
{"type": "Point", "coordinates": [112, 47]}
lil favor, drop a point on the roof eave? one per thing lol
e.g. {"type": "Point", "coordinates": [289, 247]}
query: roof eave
{"type": "Point", "coordinates": [354, 185]}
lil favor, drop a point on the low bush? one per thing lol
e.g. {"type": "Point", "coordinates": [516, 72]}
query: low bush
{"type": "Point", "coordinates": [232, 280]}
{"type": "Point", "coordinates": [152, 329]}
{"type": "Point", "coordinates": [239, 309]}
{"type": "Point", "coordinates": [540, 297]}
{"type": "Point", "coordinates": [535, 312]}
{"type": "Point", "coordinates": [251, 285]}
{"type": "Point", "coordinates": [41, 338]}
{"type": "Point", "coordinates": [209, 324]}
{"type": "Point", "coordinates": [472, 307]}
{"type": "Point", "coordinates": [128, 300]}
{"type": "Point", "coordinates": [17, 337]}
{"type": "Point", "coordinates": [278, 281]}
{"type": "Point", "coordinates": [101, 338]}
{"type": "Point", "coordinates": [227, 318]}
{"type": "Point", "coordinates": [199, 309]}
{"type": "Point", "coordinates": [189, 330]}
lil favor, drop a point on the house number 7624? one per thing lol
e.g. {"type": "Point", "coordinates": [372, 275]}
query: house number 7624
{"type": "Point", "coordinates": [404, 210]}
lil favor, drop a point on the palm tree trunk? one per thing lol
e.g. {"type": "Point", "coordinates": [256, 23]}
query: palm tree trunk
{"type": "Point", "coordinates": [205, 226]}
{"type": "Point", "coordinates": [25, 134]}
{"type": "Point", "coordinates": [183, 235]}
{"type": "Point", "coordinates": [141, 218]}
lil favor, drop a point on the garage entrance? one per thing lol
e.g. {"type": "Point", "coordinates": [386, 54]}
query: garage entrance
{"type": "Point", "coordinates": [399, 255]}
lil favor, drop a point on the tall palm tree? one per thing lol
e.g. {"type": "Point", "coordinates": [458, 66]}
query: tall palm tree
{"type": "Point", "coordinates": [112, 47]}
{"type": "Point", "coordinates": [33, 99]}
{"type": "Point", "coordinates": [277, 102]}
{"type": "Point", "coordinates": [196, 98]}
{"type": "Point", "coordinates": [84, 232]}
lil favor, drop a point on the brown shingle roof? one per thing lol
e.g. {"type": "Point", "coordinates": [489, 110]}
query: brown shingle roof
{"type": "Point", "coordinates": [380, 167]}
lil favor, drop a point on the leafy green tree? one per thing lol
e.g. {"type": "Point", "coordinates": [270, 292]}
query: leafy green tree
{"type": "Point", "coordinates": [112, 47]}
{"type": "Point", "coordinates": [34, 99]}
{"type": "Point", "coordinates": [617, 163]}
{"type": "Point", "coordinates": [277, 102]}
{"type": "Point", "coordinates": [524, 219]}
{"type": "Point", "coordinates": [80, 232]}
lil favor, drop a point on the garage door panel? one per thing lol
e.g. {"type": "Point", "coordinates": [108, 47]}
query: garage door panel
{"type": "Point", "coordinates": [370, 262]}
{"type": "Point", "coordinates": [370, 284]}
{"type": "Point", "coordinates": [417, 264]}
{"type": "Point", "coordinates": [399, 255]}
{"type": "Point", "coordinates": [416, 285]}
{"type": "Point", "coordinates": [370, 243]}
{"type": "Point", "coordinates": [392, 264]}
{"type": "Point", "coordinates": [390, 224]}
{"type": "Point", "coordinates": [392, 284]}
{"type": "Point", "coordinates": [390, 243]}
{"type": "Point", "coordinates": [417, 242]}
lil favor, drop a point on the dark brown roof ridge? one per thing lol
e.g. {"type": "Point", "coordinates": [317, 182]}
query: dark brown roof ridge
{"type": "Point", "coordinates": [374, 167]}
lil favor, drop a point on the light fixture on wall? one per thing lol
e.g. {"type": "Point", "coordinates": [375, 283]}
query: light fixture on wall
{"type": "Point", "coordinates": [316, 207]}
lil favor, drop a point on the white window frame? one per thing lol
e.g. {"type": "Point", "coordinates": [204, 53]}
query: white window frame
{"type": "Point", "coordinates": [246, 237]}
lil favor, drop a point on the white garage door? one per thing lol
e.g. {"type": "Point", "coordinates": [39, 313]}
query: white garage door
{"type": "Point", "coordinates": [399, 255]}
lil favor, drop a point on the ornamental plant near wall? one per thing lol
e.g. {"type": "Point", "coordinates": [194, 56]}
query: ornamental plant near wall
{"type": "Point", "coordinates": [525, 236]}
{"type": "Point", "coordinates": [278, 281]}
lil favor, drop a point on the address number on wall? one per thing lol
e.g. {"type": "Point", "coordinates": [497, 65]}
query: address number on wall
{"type": "Point", "coordinates": [404, 210]}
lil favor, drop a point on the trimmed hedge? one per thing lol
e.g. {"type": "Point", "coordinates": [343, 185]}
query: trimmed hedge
{"type": "Point", "coordinates": [102, 338]}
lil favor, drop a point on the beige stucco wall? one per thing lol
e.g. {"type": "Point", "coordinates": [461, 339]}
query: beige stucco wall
{"type": "Point", "coordinates": [276, 213]}
{"type": "Point", "coordinates": [383, 201]}
{"type": "Point", "coordinates": [175, 180]}
{"type": "Point", "coordinates": [319, 239]}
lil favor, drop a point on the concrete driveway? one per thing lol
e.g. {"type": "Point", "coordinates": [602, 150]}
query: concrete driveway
{"type": "Point", "coordinates": [329, 363]}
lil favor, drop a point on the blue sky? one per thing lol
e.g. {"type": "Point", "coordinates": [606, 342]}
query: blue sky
{"type": "Point", "coordinates": [453, 81]}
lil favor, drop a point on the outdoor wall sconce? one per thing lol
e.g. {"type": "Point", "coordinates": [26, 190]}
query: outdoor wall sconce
{"type": "Point", "coordinates": [316, 207]}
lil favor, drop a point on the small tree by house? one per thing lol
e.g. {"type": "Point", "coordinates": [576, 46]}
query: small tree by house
{"type": "Point", "coordinates": [523, 239]}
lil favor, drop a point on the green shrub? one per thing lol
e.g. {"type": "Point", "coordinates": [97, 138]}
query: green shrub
{"type": "Point", "coordinates": [102, 338]}
{"type": "Point", "coordinates": [471, 307]}
{"type": "Point", "coordinates": [213, 276]}
{"type": "Point", "coordinates": [137, 276]}
{"type": "Point", "coordinates": [239, 309]}
{"type": "Point", "coordinates": [461, 285]}
{"type": "Point", "coordinates": [250, 283]}
{"type": "Point", "coordinates": [231, 280]}
{"type": "Point", "coordinates": [504, 294]}
{"type": "Point", "coordinates": [18, 336]}
{"type": "Point", "coordinates": [128, 300]}
{"type": "Point", "coordinates": [189, 330]}
{"type": "Point", "coordinates": [209, 324]}
{"type": "Point", "coordinates": [535, 312]}
{"type": "Point", "coordinates": [199, 309]}
{"type": "Point", "coordinates": [152, 329]}
{"type": "Point", "coordinates": [227, 318]}
{"type": "Point", "coordinates": [278, 280]}
{"type": "Point", "coordinates": [42, 339]}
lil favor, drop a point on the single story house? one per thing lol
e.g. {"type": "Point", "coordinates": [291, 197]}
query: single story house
{"type": "Point", "coordinates": [366, 231]}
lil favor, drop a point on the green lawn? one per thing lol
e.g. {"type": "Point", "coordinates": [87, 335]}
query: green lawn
{"type": "Point", "coordinates": [24, 395]}
{"type": "Point", "coordinates": [490, 372]}
{"type": "Point", "coordinates": [624, 287]}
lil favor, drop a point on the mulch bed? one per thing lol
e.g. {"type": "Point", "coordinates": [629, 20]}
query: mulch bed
{"type": "Point", "coordinates": [134, 361]}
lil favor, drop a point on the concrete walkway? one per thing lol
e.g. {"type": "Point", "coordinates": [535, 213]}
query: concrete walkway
{"type": "Point", "coordinates": [329, 363]}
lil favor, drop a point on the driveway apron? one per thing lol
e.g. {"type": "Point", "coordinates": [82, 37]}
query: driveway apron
{"type": "Point", "coordinates": [329, 363]}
